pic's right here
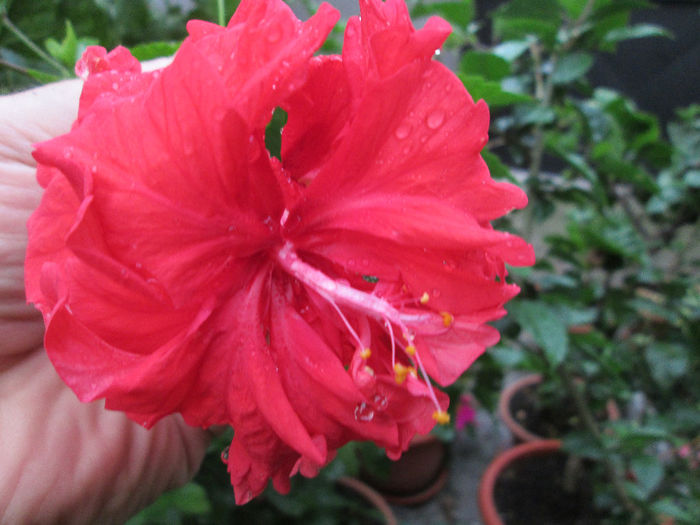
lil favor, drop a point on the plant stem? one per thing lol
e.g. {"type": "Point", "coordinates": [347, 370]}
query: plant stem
{"type": "Point", "coordinates": [220, 11]}
{"type": "Point", "coordinates": [14, 67]}
{"type": "Point", "coordinates": [592, 426]}
{"type": "Point", "coordinates": [31, 45]}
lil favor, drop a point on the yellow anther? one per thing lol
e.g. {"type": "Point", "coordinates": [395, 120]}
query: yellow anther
{"type": "Point", "coordinates": [447, 319]}
{"type": "Point", "coordinates": [366, 353]}
{"type": "Point", "coordinates": [411, 350]}
{"type": "Point", "coordinates": [401, 372]}
{"type": "Point", "coordinates": [424, 298]}
{"type": "Point", "coordinates": [442, 417]}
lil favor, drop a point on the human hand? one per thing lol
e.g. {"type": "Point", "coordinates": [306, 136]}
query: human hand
{"type": "Point", "coordinates": [62, 460]}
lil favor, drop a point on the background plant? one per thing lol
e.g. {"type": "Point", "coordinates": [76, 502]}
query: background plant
{"type": "Point", "coordinates": [609, 315]}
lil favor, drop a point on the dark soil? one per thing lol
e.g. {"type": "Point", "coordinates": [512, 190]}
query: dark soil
{"type": "Point", "coordinates": [535, 490]}
{"type": "Point", "coordinates": [546, 421]}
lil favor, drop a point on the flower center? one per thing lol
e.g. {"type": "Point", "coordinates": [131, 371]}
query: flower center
{"type": "Point", "coordinates": [340, 294]}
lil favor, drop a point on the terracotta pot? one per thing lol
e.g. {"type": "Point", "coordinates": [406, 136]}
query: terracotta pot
{"type": "Point", "coordinates": [371, 496]}
{"type": "Point", "coordinates": [487, 503]}
{"type": "Point", "coordinates": [536, 482]}
{"type": "Point", "coordinates": [417, 476]}
{"type": "Point", "coordinates": [520, 433]}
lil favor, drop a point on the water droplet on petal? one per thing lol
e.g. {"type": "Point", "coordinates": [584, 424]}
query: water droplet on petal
{"type": "Point", "coordinates": [93, 169]}
{"type": "Point", "coordinates": [380, 402]}
{"type": "Point", "coordinates": [364, 412]}
{"type": "Point", "coordinates": [224, 455]}
{"type": "Point", "coordinates": [435, 119]}
{"type": "Point", "coordinates": [402, 131]}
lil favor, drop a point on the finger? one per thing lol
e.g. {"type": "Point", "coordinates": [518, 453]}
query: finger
{"type": "Point", "coordinates": [68, 462]}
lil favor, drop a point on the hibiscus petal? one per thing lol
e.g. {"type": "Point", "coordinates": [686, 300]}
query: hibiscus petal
{"type": "Point", "coordinates": [317, 114]}
{"type": "Point", "coordinates": [263, 54]}
{"type": "Point", "coordinates": [175, 191]}
{"type": "Point", "coordinates": [411, 138]}
{"type": "Point", "coordinates": [383, 40]}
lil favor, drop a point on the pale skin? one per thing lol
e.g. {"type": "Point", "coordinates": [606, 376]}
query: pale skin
{"type": "Point", "coordinates": [63, 461]}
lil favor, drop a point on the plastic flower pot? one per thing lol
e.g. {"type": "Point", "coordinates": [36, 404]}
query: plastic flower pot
{"type": "Point", "coordinates": [417, 476]}
{"type": "Point", "coordinates": [371, 496]}
{"type": "Point", "coordinates": [534, 483]}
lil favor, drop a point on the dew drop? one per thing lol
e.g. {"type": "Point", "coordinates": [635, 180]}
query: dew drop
{"type": "Point", "coordinates": [224, 455]}
{"type": "Point", "coordinates": [402, 131]}
{"type": "Point", "coordinates": [435, 119]}
{"type": "Point", "coordinates": [380, 402]}
{"type": "Point", "coordinates": [364, 412]}
{"type": "Point", "coordinates": [436, 293]}
{"type": "Point", "coordinates": [68, 153]}
{"type": "Point", "coordinates": [115, 86]}
{"type": "Point", "coordinates": [93, 169]}
{"type": "Point", "coordinates": [138, 265]}
{"type": "Point", "coordinates": [231, 228]}
{"type": "Point", "coordinates": [269, 222]}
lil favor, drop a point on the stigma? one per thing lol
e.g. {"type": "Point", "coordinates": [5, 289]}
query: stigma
{"type": "Point", "coordinates": [338, 293]}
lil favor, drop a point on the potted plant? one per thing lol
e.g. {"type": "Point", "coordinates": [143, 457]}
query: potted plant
{"type": "Point", "coordinates": [608, 317]}
{"type": "Point", "coordinates": [519, 485]}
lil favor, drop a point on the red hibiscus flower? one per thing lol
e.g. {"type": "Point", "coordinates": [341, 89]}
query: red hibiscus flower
{"type": "Point", "coordinates": [306, 301]}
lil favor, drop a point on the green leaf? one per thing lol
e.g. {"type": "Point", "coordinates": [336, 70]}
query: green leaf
{"type": "Point", "coordinates": [499, 171]}
{"type": "Point", "coordinates": [571, 67]}
{"type": "Point", "coordinates": [190, 499]}
{"type": "Point", "coordinates": [692, 179]}
{"type": "Point", "coordinates": [583, 444]}
{"type": "Point", "coordinates": [512, 49]}
{"type": "Point", "coordinates": [491, 92]}
{"type": "Point", "coordinates": [669, 507]}
{"type": "Point", "coordinates": [273, 132]}
{"type": "Point", "coordinates": [528, 114]}
{"type": "Point", "coordinates": [507, 357]}
{"type": "Point", "coordinates": [523, 18]}
{"type": "Point", "coordinates": [667, 362]}
{"type": "Point", "coordinates": [486, 65]}
{"type": "Point", "coordinates": [649, 472]}
{"type": "Point", "coordinates": [545, 326]}
{"type": "Point", "coordinates": [152, 50]}
{"type": "Point", "coordinates": [42, 76]}
{"type": "Point", "coordinates": [66, 51]}
{"type": "Point", "coordinates": [459, 12]}
{"type": "Point", "coordinates": [637, 31]}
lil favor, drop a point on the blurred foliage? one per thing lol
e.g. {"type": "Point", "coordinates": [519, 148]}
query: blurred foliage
{"type": "Point", "coordinates": [611, 310]}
